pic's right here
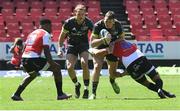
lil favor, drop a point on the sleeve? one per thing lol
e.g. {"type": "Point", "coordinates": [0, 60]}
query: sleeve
{"type": "Point", "coordinates": [96, 31]}
{"type": "Point", "coordinates": [46, 39]}
{"type": "Point", "coordinates": [91, 25]}
{"type": "Point", "coordinates": [120, 29]}
{"type": "Point", "coordinates": [66, 27]}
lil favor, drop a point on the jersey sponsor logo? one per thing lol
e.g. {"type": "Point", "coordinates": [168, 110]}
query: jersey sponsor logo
{"type": "Point", "coordinates": [125, 45]}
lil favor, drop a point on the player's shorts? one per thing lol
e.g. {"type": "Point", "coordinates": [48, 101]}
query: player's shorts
{"type": "Point", "coordinates": [77, 49]}
{"type": "Point", "coordinates": [34, 64]}
{"type": "Point", "coordinates": [140, 67]}
{"type": "Point", "coordinates": [111, 58]}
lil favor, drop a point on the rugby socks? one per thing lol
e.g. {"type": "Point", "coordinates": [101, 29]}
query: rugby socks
{"type": "Point", "coordinates": [59, 87]}
{"type": "Point", "coordinates": [86, 84]}
{"type": "Point", "coordinates": [75, 81]}
{"type": "Point", "coordinates": [153, 87]}
{"type": "Point", "coordinates": [19, 90]}
{"type": "Point", "coordinates": [159, 83]}
{"type": "Point", "coordinates": [94, 87]}
{"type": "Point", "coordinates": [27, 80]}
{"type": "Point", "coordinates": [111, 80]}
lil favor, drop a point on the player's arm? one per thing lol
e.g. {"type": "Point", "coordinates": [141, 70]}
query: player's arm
{"type": "Point", "coordinates": [46, 45]}
{"type": "Point", "coordinates": [101, 52]}
{"type": "Point", "coordinates": [48, 54]}
{"type": "Point", "coordinates": [11, 50]}
{"type": "Point", "coordinates": [97, 40]}
{"type": "Point", "coordinates": [120, 37]}
{"type": "Point", "coordinates": [61, 40]}
{"type": "Point", "coordinates": [62, 37]}
{"type": "Point", "coordinates": [98, 52]}
{"type": "Point", "coordinates": [13, 46]}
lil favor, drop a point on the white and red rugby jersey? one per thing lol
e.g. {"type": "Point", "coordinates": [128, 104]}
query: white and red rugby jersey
{"type": "Point", "coordinates": [35, 42]}
{"type": "Point", "coordinates": [123, 48]}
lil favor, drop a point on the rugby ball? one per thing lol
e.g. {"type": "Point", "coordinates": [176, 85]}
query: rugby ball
{"type": "Point", "coordinates": [104, 33]}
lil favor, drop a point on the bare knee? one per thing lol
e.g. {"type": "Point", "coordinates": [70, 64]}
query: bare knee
{"type": "Point", "coordinates": [97, 67]}
{"type": "Point", "coordinates": [84, 65]}
{"type": "Point", "coordinates": [70, 66]}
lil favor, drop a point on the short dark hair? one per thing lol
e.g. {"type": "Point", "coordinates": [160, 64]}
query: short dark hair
{"type": "Point", "coordinates": [44, 21]}
{"type": "Point", "coordinates": [110, 15]}
{"type": "Point", "coordinates": [19, 41]}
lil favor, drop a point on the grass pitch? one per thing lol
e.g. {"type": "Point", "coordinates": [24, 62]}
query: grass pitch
{"type": "Point", "coordinates": [41, 95]}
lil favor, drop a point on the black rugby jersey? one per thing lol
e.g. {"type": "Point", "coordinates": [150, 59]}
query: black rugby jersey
{"type": "Point", "coordinates": [115, 31]}
{"type": "Point", "coordinates": [77, 34]}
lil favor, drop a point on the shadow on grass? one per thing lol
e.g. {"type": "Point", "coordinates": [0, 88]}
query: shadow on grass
{"type": "Point", "coordinates": [131, 98]}
{"type": "Point", "coordinates": [141, 98]}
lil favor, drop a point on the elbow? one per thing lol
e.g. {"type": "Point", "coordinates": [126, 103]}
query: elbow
{"type": "Point", "coordinates": [93, 45]}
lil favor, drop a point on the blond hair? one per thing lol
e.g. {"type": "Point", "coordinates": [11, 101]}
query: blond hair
{"type": "Point", "coordinates": [80, 7]}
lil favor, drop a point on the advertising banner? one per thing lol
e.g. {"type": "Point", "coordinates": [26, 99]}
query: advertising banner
{"type": "Point", "coordinates": [153, 50]}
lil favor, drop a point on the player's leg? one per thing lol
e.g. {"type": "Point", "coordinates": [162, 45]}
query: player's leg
{"type": "Point", "coordinates": [31, 69]}
{"type": "Point", "coordinates": [98, 62]}
{"type": "Point", "coordinates": [112, 66]}
{"type": "Point", "coordinates": [112, 63]}
{"type": "Point", "coordinates": [143, 81]}
{"type": "Point", "coordinates": [84, 64]}
{"type": "Point", "coordinates": [149, 69]}
{"type": "Point", "coordinates": [138, 69]}
{"type": "Point", "coordinates": [71, 61]}
{"type": "Point", "coordinates": [26, 81]}
{"type": "Point", "coordinates": [155, 77]}
{"type": "Point", "coordinates": [56, 69]}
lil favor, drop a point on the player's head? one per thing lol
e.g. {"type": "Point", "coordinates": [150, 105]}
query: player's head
{"type": "Point", "coordinates": [80, 12]}
{"type": "Point", "coordinates": [19, 42]}
{"type": "Point", "coordinates": [109, 19]}
{"type": "Point", "coordinates": [46, 24]}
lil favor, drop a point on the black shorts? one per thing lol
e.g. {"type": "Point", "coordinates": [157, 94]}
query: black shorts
{"type": "Point", "coordinates": [139, 68]}
{"type": "Point", "coordinates": [10, 66]}
{"type": "Point", "coordinates": [111, 58]}
{"type": "Point", "coordinates": [77, 49]}
{"type": "Point", "coordinates": [33, 64]}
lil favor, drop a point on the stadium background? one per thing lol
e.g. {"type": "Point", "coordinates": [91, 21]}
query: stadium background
{"type": "Point", "coordinates": [153, 24]}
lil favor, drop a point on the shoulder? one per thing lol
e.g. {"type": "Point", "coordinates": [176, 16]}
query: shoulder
{"type": "Point", "coordinates": [117, 22]}
{"type": "Point", "coordinates": [87, 19]}
{"type": "Point", "coordinates": [89, 22]}
{"type": "Point", "coordinates": [70, 20]}
{"type": "Point", "coordinates": [44, 33]}
{"type": "Point", "coordinates": [99, 23]}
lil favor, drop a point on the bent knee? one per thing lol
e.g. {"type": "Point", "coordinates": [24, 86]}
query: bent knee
{"type": "Point", "coordinates": [97, 66]}
{"type": "Point", "coordinates": [84, 65]}
{"type": "Point", "coordinates": [33, 74]}
{"type": "Point", "coordinates": [70, 66]}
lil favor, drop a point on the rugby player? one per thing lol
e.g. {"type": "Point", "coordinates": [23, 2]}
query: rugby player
{"type": "Point", "coordinates": [76, 30]}
{"type": "Point", "coordinates": [136, 64]}
{"type": "Point", "coordinates": [110, 23]}
{"type": "Point", "coordinates": [38, 41]}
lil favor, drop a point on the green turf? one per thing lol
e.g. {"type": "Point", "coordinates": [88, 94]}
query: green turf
{"type": "Point", "coordinates": [41, 94]}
